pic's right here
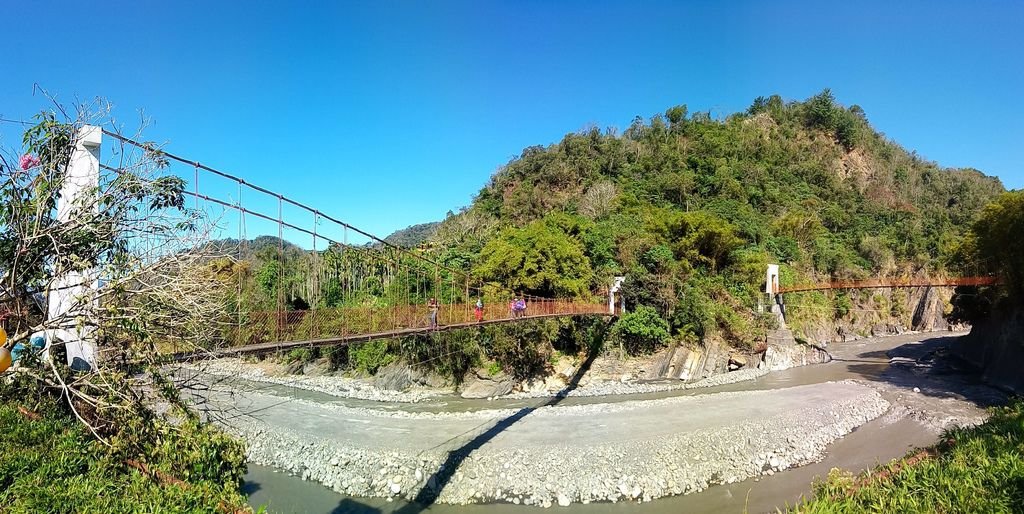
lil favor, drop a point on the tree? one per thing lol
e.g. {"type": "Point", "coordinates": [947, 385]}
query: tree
{"type": "Point", "coordinates": [997, 239]}
{"type": "Point", "coordinates": [159, 284]}
{"type": "Point", "coordinates": [641, 330]}
{"type": "Point", "coordinates": [538, 259]}
{"type": "Point", "coordinates": [599, 200]}
{"type": "Point", "coordinates": [821, 110]}
{"type": "Point", "coordinates": [676, 115]}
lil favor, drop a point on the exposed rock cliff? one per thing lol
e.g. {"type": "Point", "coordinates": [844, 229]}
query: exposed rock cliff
{"type": "Point", "coordinates": [873, 312]}
{"type": "Point", "coordinates": [996, 346]}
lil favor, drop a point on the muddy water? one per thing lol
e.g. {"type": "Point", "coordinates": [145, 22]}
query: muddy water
{"type": "Point", "coordinates": [875, 442]}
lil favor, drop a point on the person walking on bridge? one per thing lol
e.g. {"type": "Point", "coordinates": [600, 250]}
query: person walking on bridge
{"type": "Point", "coordinates": [432, 307]}
{"type": "Point", "coordinates": [519, 307]}
{"type": "Point", "coordinates": [479, 310]}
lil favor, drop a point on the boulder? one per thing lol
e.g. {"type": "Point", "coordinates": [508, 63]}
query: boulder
{"type": "Point", "coordinates": [482, 385]}
{"type": "Point", "coordinates": [294, 368]}
{"type": "Point", "coordinates": [394, 377]}
{"type": "Point", "coordinates": [737, 361]}
{"type": "Point", "coordinates": [317, 368]}
{"type": "Point", "coordinates": [399, 376]}
{"type": "Point", "coordinates": [846, 335]}
{"type": "Point", "coordinates": [784, 352]}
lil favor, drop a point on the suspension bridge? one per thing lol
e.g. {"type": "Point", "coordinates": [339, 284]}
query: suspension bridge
{"type": "Point", "coordinates": [303, 278]}
{"type": "Point", "coordinates": [892, 283]}
{"type": "Point", "coordinates": [324, 282]}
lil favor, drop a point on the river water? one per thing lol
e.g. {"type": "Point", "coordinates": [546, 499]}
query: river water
{"type": "Point", "coordinates": [876, 442]}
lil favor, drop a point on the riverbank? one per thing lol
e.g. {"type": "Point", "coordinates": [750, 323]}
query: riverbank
{"type": "Point", "coordinates": [973, 469]}
{"type": "Point", "coordinates": [608, 376]}
{"type": "Point", "coordinates": [362, 389]}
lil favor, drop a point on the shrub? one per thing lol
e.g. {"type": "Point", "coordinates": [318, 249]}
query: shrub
{"type": "Point", "coordinates": [370, 356]}
{"type": "Point", "coordinates": [641, 330]}
{"type": "Point", "coordinates": [300, 355]}
{"type": "Point", "coordinates": [52, 464]}
{"type": "Point", "coordinates": [520, 348]}
{"type": "Point", "coordinates": [842, 305]}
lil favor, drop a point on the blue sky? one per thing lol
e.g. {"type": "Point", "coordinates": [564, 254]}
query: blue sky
{"type": "Point", "coordinates": [391, 113]}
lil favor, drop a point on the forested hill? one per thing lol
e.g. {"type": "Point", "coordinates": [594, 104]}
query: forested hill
{"type": "Point", "coordinates": [682, 201]}
{"type": "Point", "coordinates": [413, 235]}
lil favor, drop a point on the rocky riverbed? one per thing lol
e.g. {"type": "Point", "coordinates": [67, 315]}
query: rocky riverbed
{"type": "Point", "coordinates": [612, 387]}
{"type": "Point", "coordinates": [345, 387]}
{"type": "Point", "coordinates": [536, 465]}
{"type": "Point", "coordinates": [554, 453]}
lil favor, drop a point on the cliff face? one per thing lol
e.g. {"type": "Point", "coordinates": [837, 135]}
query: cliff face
{"type": "Point", "coordinates": [873, 312]}
{"type": "Point", "coordinates": [996, 347]}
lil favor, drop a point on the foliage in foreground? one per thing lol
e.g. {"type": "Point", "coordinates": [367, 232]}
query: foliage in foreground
{"type": "Point", "coordinates": [53, 464]}
{"type": "Point", "coordinates": [978, 469]}
{"type": "Point", "coordinates": [90, 439]}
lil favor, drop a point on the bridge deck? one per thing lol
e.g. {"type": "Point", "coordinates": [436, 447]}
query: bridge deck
{"type": "Point", "coordinates": [345, 340]}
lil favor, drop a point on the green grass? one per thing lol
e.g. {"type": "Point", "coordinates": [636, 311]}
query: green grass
{"type": "Point", "coordinates": [54, 465]}
{"type": "Point", "coordinates": [979, 469]}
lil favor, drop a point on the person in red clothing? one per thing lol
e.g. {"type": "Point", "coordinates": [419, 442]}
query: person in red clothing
{"type": "Point", "coordinates": [479, 310]}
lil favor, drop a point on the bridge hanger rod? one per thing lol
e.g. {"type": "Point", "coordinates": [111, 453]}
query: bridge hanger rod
{"type": "Point", "coordinates": [198, 165]}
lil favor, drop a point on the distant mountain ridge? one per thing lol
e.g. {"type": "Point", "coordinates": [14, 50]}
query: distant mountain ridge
{"type": "Point", "coordinates": [413, 235]}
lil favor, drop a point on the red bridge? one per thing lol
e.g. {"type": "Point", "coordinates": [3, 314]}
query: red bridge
{"type": "Point", "coordinates": [893, 283]}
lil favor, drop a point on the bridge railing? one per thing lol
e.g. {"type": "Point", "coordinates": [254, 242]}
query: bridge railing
{"type": "Point", "coordinates": [258, 327]}
{"type": "Point", "coordinates": [890, 283]}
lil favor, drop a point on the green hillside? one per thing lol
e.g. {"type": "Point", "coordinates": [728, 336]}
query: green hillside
{"type": "Point", "coordinates": [691, 209]}
{"type": "Point", "coordinates": [413, 235]}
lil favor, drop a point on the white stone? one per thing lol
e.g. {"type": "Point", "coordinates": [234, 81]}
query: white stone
{"type": "Point", "coordinates": [563, 500]}
{"type": "Point", "coordinates": [395, 488]}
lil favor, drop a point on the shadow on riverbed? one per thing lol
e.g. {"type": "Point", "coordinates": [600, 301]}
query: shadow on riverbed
{"type": "Point", "coordinates": [350, 506]}
{"type": "Point", "coordinates": [928, 366]}
{"type": "Point", "coordinates": [446, 471]}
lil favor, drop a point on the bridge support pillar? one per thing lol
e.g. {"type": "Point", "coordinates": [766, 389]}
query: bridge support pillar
{"type": "Point", "coordinates": [616, 287]}
{"type": "Point", "coordinates": [771, 288]}
{"type": "Point", "coordinates": [73, 288]}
